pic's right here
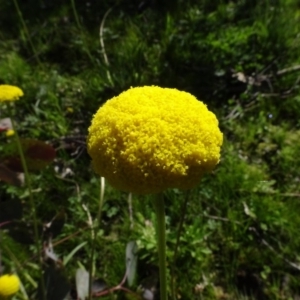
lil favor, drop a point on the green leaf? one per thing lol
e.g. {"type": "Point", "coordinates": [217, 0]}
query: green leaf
{"type": "Point", "coordinates": [82, 284]}
{"type": "Point", "coordinates": [71, 254]}
{"type": "Point", "coordinates": [131, 261]}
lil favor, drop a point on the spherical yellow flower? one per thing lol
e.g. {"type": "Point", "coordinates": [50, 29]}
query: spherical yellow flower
{"type": "Point", "coordinates": [9, 285]}
{"type": "Point", "coordinates": [10, 93]}
{"type": "Point", "coordinates": [149, 139]}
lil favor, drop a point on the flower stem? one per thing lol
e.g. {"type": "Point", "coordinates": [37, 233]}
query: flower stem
{"type": "Point", "coordinates": [97, 227]}
{"type": "Point", "coordinates": [159, 206]}
{"type": "Point", "coordinates": [1, 269]}
{"type": "Point", "coordinates": [33, 208]}
{"type": "Point", "coordinates": [179, 231]}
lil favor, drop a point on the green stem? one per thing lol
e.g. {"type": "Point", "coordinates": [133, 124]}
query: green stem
{"type": "Point", "coordinates": [81, 32]}
{"type": "Point", "coordinates": [32, 205]}
{"type": "Point", "coordinates": [159, 206]}
{"type": "Point", "coordinates": [26, 31]}
{"type": "Point", "coordinates": [19, 267]}
{"type": "Point", "coordinates": [1, 252]}
{"type": "Point", "coordinates": [179, 230]}
{"type": "Point", "coordinates": [97, 227]}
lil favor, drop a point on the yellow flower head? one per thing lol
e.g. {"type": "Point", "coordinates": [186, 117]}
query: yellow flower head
{"type": "Point", "coordinates": [149, 139]}
{"type": "Point", "coordinates": [9, 285]}
{"type": "Point", "coordinates": [10, 93]}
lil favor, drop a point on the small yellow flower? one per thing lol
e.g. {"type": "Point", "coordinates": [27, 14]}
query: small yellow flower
{"type": "Point", "coordinates": [10, 132]}
{"type": "Point", "coordinates": [10, 93]}
{"type": "Point", "coordinates": [149, 139]}
{"type": "Point", "coordinates": [9, 285]}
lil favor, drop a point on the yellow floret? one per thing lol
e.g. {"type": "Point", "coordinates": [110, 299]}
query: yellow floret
{"type": "Point", "coordinates": [9, 285]}
{"type": "Point", "coordinates": [149, 139]}
{"type": "Point", "coordinates": [10, 93]}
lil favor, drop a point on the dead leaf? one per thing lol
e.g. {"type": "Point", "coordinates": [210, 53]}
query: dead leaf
{"type": "Point", "coordinates": [37, 155]}
{"type": "Point", "coordinates": [11, 177]}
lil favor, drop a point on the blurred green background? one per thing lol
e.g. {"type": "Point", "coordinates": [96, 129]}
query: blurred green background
{"type": "Point", "coordinates": [238, 237]}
